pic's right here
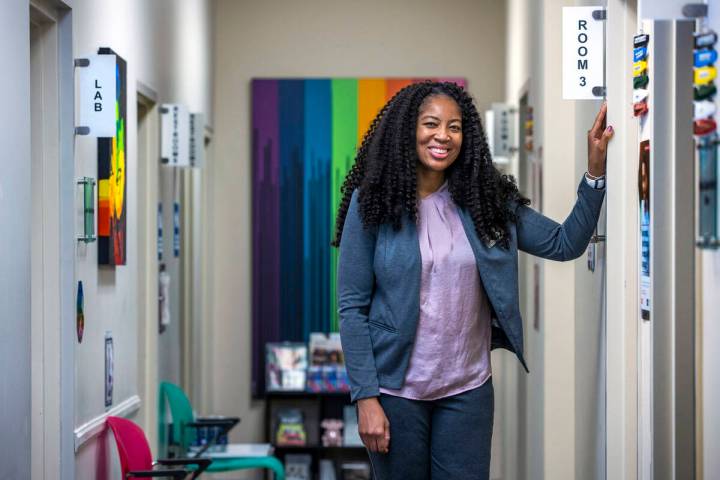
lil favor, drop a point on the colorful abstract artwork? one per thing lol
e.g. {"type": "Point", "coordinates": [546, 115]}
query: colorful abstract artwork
{"type": "Point", "coordinates": [112, 212]}
{"type": "Point", "coordinates": [305, 135]}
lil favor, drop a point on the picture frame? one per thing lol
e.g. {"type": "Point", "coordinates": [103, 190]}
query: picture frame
{"type": "Point", "coordinates": [285, 366]}
{"type": "Point", "coordinates": [109, 369]}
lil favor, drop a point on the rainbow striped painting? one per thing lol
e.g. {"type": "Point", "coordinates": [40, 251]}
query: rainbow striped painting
{"type": "Point", "coordinates": [304, 137]}
{"type": "Point", "coordinates": [112, 189]}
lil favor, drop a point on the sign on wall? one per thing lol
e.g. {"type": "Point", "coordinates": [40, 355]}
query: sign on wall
{"type": "Point", "coordinates": [645, 230]}
{"type": "Point", "coordinates": [197, 140]}
{"type": "Point", "coordinates": [583, 53]}
{"type": "Point", "coordinates": [175, 135]}
{"type": "Point", "coordinates": [503, 134]}
{"type": "Point", "coordinates": [97, 83]}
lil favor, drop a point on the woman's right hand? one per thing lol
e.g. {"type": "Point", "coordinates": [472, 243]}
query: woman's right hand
{"type": "Point", "coordinates": [373, 425]}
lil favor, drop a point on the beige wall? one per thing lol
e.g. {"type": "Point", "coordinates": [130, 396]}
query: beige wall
{"type": "Point", "coordinates": [318, 38]}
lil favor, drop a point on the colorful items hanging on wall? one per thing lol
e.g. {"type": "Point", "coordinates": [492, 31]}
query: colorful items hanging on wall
{"type": "Point", "coordinates": [80, 312]}
{"type": "Point", "coordinates": [529, 124]}
{"type": "Point", "coordinates": [305, 134]}
{"type": "Point", "coordinates": [706, 137]}
{"type": "Point", "coordinates": [163, 299]}
{"type": "Point", "coordinates": [112, 211]}
{"type": "Point", "coordinates": [160, 232]}
{"type": "Point", "coordinates": [176, 229]}
{"type": "Point", "coordinates": [640, 75]}
{"type": "Point", "coordinates": [704, 73]}
{"type": "Point", "coordinates": [645, 232]}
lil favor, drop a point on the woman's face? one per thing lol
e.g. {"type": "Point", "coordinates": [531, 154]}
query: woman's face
{"type": "Point", "coordinates": [438, 132]}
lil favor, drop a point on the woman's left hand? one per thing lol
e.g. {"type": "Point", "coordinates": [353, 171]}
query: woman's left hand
{"type": "Point", "coordinates": [598, 138]}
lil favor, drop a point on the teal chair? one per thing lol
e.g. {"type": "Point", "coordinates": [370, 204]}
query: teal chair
{"type": "Point", "coordinates": [184, 432]}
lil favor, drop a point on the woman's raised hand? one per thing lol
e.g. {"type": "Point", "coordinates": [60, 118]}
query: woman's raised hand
{"type": "Point", "coordinates": [598, 138]}
{"type": "Point", "coordinates": [373, 425]}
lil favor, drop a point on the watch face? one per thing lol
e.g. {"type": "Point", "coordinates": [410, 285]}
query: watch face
{"type": "Point", "coordinates": [596, 183]}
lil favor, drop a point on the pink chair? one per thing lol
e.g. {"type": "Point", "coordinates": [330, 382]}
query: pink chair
{"type": "Point", "coordinates": [136, 458]}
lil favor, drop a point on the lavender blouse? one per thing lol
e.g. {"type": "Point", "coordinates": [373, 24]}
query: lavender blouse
{"type": "Point", "coordinates": [452, 346]}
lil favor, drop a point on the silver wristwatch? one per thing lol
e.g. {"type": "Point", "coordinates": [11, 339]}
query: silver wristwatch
{"type": "Point", "coordinates": [598, 183]}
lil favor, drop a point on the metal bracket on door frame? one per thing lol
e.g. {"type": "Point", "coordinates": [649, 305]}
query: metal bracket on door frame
{"type": "Point", "coordinates": [597, 238]}
{"type": "Point", "coordinates": [695, 10]}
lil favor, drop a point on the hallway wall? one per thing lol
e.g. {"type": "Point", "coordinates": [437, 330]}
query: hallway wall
{"type": "Point", "coordinates": [318, 38]}
{"type": "Point", "coordinates": [522, 424]}
{"type": "Point", "coordinates": [167, 48]}
{"type": "Point", "coordinates": [559, 432]}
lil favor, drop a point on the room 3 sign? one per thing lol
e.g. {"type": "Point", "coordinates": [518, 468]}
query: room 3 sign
{"type": "Point", "coordinates": [583, 51]}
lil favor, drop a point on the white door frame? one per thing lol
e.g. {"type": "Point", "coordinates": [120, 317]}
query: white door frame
{"type": "Point", "coordinates": [204, 312]}
{"type": "Point", "coordinates": [53, 245]}
{"type": "Point", "coordinates": [622, 233]}
{"type": "Point", "coordinates": [148, 128]}
{"type": "Point", "coordinates": [194, 264]}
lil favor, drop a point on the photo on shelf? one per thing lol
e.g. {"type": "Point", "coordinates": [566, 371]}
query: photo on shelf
{"type": "Point", "coordinates": [291, 428]}
{"type": "Point", "coordinates": [325, 349]}
{"type": "Point", "coordinates": [355, 471]}
{"type": "Point", "coordinates": [297, 466]}
{"type": "Point", "coordinates": [286, 366]}
{"type": "Point", "coordinates": [327, 364]}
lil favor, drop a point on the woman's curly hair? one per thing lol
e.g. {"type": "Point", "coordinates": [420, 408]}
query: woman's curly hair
{"type": "Point", "coordinates": [385, 169]}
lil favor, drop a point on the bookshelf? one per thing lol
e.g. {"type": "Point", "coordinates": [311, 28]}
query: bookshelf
{"type": "Point", "coordinates": [315, 407]}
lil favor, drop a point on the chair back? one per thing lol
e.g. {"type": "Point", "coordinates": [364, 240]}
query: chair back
{"type": "Point", "coordinates": [181, 412]}
{"type": "Point", "coordinates": [132, 445]}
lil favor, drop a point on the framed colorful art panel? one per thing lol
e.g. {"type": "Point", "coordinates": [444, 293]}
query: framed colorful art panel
{"type": "Point", "coordinates": [304, 136]}
{"type": "Point", "coordinates": [112, 211]}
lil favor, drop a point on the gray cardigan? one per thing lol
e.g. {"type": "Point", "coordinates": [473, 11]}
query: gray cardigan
{"type": "Point", "coordinates": [378, 285]}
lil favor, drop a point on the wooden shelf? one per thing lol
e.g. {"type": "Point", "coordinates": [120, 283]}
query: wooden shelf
{"type": "Point", "coordinates": [305, 394]}
{"type": "Point", "coordinates": [315, 407]}
{"type": "Point", "coordinates": [318, 448]}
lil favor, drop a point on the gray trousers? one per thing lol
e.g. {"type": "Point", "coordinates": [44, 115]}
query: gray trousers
{"type": "Point", "coordinates": [444, 439]}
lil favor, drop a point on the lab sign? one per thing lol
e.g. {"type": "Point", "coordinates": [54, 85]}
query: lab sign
{"type": "Point", "coordinates": [583, 52]}
{"type": "Point", "coordinates": [96, 116]}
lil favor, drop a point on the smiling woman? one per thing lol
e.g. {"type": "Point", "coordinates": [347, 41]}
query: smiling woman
{"type": "Point", "coordinates": [429, 233]}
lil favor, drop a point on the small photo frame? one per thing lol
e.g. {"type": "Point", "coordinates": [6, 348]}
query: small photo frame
{"type": "Point", "coordinates": [109, 369]}
{"type": "Point", "coordinates": [285, 366]}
